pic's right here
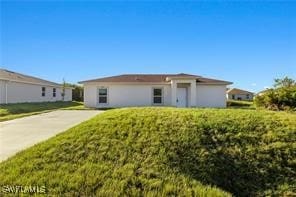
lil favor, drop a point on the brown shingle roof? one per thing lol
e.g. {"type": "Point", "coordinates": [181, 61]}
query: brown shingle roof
{"type": "Point", "coordinates": [14, 76]}
{"type": "Point", "coordinates": [238, 91]}
{"type": "Point", "coordinates": [153, 78]}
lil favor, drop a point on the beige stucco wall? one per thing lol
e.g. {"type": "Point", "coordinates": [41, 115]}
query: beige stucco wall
{"type": "Point", "coordinates": [124, 95]}
{"type": "Point", "coordinates": [211, 96]}
{"type": "Point", "coordinates": [23, 92]}
{"type": "Point", "coordinates": [141, 95]}
{"type": "Point", "coordinates": [90, 95]}
{"type": "Point", "coordinates": [68, 94]}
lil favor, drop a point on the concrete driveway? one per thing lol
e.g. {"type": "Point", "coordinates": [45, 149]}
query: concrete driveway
{"type": "Point", "coordinates": [18, 134]}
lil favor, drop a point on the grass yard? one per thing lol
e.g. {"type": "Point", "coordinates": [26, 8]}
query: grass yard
{"type": "Point", "coordinates": [240, 104]}
{"type": "Point", "coordinates": [13, 111]}
{"type": "Point", "coordinates": [165, 152]}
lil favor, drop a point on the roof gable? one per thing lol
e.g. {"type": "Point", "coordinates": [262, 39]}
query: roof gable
{"type": "Point", "coordinates": [238, 91]}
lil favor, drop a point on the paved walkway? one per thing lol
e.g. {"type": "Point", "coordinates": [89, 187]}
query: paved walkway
{"type": "Point", "coordinates": [18, 134]}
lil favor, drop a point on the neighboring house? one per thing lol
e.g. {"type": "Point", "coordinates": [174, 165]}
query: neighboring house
{"type": "Point", "coordinates": [238, 94]}
{"type": "Point", "coordinates": [262, 92]}
{"type": "Point", "coordinates": [180, 90]}
{"type": "Point", "coordinates": [19, 88]}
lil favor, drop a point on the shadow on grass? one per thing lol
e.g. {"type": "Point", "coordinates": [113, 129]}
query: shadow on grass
{"type": "Point", "coordinates": [235, 171]}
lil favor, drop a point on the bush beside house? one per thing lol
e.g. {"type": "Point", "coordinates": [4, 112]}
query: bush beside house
{"type": "Point", "coordinates": [281, 97]}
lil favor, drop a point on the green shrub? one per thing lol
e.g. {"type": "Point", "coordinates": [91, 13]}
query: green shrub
{"type": "Point", "coordinates": [165, 152]}
{"type": "Point", "coordinates": [281, 97]}
{"type": "Point", "coordinates": [239, 104]}
{"type": "Point", "coordinates": [77, 92]}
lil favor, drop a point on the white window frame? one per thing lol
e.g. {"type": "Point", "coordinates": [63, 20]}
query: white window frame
{"type": "Point", "coordinates": [107, 96]}
{"type": "Point", "coordinates": [162, 100]}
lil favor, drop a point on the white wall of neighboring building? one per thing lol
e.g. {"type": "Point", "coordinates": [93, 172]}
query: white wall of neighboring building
{"type": "Point", "coordinates": [210, 95]}
{"type": "Point", "coordinates": [2, 91]}
{"type": "Point", "coordinates": [240, 97]}
{"type": "Point", "coordinates": [18, 92]}
{"type": "Point", "coordinates": [141, 95]}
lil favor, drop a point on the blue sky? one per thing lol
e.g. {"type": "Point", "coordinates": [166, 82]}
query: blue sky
{"type": "Point", "coordinates": [248, 43]}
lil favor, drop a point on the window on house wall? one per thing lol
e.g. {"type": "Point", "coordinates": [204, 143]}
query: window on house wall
{"type": "Point", "coordinates": [157, 96]}
{"type": "Point", "coordinates": [43, 91]}
{"type": "Point", "coordinates": [233, 97]}
{"type": "Point", "coordinates": [103, 94]}
{"type": "Point", "coordinates": [248, 96]}
{"type": "Point", "coordinates": [54, 92]}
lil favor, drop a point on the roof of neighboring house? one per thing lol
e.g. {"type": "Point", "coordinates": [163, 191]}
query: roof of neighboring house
{"type": "Point", "coordinates": [263, 91]}
{"type": "Point", "coordinates": [154, 78]}
{"type": "Point", "coordinates": [18, 77]}
{"type": "Point", "coordinates": [238, 91]}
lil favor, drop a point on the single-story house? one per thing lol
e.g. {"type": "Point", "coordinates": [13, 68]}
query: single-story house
{"type": "Point", "coordinates": [20, 88]}
{"type": "Point", "coordinates": [180, 90]}
{"type": "Point", "coordinates": [238, 94]}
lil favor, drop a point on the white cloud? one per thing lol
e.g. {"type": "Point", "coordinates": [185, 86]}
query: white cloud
{"type": "Point", "coordinates": [266, 87]}
{"type": "Point", "coordinates": [253, 84]}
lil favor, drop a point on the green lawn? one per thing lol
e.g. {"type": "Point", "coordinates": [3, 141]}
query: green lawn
{"type": "Point", "coordinates": [240, 104]}
{"type": "Point", "coordinates": [165, 152]}
{"type": "Point", "coordinates": [12, 111]}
